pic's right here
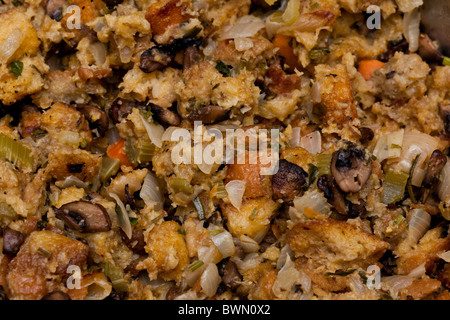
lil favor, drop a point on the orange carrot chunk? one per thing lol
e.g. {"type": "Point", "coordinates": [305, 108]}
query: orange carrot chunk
{"type": "Point", "coordinates": [367, 67]}
{"type": "Point", "coordinates": [285, 50]}
{"type": "Point", "coordinates": [117, 151]}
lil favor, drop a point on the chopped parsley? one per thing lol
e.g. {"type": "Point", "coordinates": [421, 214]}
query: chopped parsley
{"type": "Point", "coordinates": [16, 68]}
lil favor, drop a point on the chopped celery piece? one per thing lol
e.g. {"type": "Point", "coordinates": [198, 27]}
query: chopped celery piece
{"type": "Point", "coordinates": [221, 192]}
{"type": "Point", "coordinates": [196, 265]}
{"type": "Point", "coordinates": [131, 151]}
{"type": "Point", "coordinates": [253, 214]}
{"type": "Point", "coordinates": [110, 167]}
{"type": "Point", "coordinates": [323, 163]}
{"type": "Point", "coordinates": [394, 186]}
{"type": "Point", "coordinates": [6, 211]}
{"type": "Point", "coordinates": [181, 185]}
{"type": "Point", "coordinates": [115, 274]}
{"type": "Point", "coordinates": [146, 151]}
{"type": "Point", "coordinates": [13, 151]}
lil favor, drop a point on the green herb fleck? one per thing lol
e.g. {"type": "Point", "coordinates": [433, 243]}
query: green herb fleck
{"type": "Point", "coordinates": [41, 224]}
{"type": "Point", "coordinates": [196, 265]}
{"type": "Point", "coordinates": [181, 231]}
{"type": "Point", "coordinates": [340, 273]}
{"type": "Point", "coordinates": [314, 5]}
{"type": "Point", "coordinates": [17, 3]}
{"type": "Point", "coordinates": [312, 174]}
{"type": "Point", "coordinates": [216, 232]}
{"type": "Point", "coordinates": [134, 221]}
{"type": "Point", "coordinates": [44, 252]}
{"type": "Point", "coordinates": [16, 68]}
{"type": "Point", "coordinates": [317, 53]}
{"type": "Point", "coordinates": [253, 214]}
{"type": "Point", "coordinates": [223, 68]}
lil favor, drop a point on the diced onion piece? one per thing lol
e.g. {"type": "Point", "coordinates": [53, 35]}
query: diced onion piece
{"type": "Point", "coordinates": [224, 242]}
{"type": "Point", "coordinates": [98, 51]}
{"type": "Point", "coordinates": [98, 287]}
{"type": "Point", "coordinates": [250, 261]}
{"type": "Point", "coordinates": [243, 44]}
{"type": "Point", "coordinates": [416, 144]}
{"type": "Point", "coordinates": [394, 284]}
{"type": "Point", "coordinates": [248, 244]}
{"type": "Point", "coordinates": [73, 181]}
{"type": "Point", "coordinates": [10, 45]}
{"type": "Point", "coordinates": [443, 188]}
{"type": "Point", "coordinates": [151, 192]}
{"type": "Point", "coordinates": [311, 199]}
{"type": "Point", "coordinates": [444, 256]}
{"type": "Point", "coordinates": [411, 29]}
{"type": "Point", "coordinates": [389, 146]}
{"type": "Point", "coordinates": [286, 252]}
{"type": "Point", "coordinates": [408, 5]}
{"type": "Point", "coordinates": [418, 271]}
{"type": "Point", "coordinates": [295, 137]}
{"type": "Point", "coordinates": [417, 177]}
{"type": "Point", "coordinates": [273, 23]}
{"type": "Point", "coordinates": [210, 280]}
{"type": "Point", "coordinates": [315, 93]}
{"type": "Point", "coordinates": [122, 215]}
{"type": "Point", "coordinates": [312, 142]}
{"type": "Point", "coordinates": [235, 190]}
{"type": "Point", "coordinates": [155, 131]}
{"type": "Point", "coordinates": [167, 136]}
{"type": "Point", "coordinates": [418, 225]}
{"type": "Point", "coordinates": [292, 12]}
{"type": "Point", "coordinates": [246, 26]}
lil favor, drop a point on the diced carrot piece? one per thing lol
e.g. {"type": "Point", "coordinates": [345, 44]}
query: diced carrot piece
{"type": "Point", "coordinates": [367, 67]}
{"type": "Point", "coordinates": [117, 151]}
{"type": "Point", "coordinates": [162, 15]}
{"type": "Point", "coordinates": [285, 50]}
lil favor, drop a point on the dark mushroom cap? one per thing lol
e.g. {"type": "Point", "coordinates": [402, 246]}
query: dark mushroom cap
{"type": "Point", "coordinates": [289, 181]}
{"type": "Point", "coordinates": [12, 240]}
{"type": "Point", "coordinates": [435, 165]}
{"type": "Point", "coordinates": [350, 169]}
{"type": "Point", "coordinates": [97, 118]}
{"type": "Point", "coordinates": [56, 295]}
{"type": "Point", "coordinates": [137, 241]}
{"type": "Point", "coordinates": [84, 216]}
{"type": "Point", "coordinates": [165, 115]}
{"type": "Point", "coordinates": [208, 115]}
{"type": "Point", "coordinates": [334, 196]}
{"type": "Point", "coordinates": [120, 108]}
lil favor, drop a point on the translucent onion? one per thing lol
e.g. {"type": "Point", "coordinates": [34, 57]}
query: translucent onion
{"type": "Point", "coordinates": [444, 256]}
{"type": "Point", "coordinates": [292, 12]}
{"type": "Point", "coordinates": [418, 225]}
{"type": "Point", "coordinates": [411, 29]}
{"type": "Point", "coordinates": [415, 144]}
{"type": "Point", "coordinates": [97, 285]}
{"type": "Point", "coordinates": [408, 5]}
{"type": "Point", "coordinates": [273, 23]}
{"type": "Point", "coordinates": [224, 242]}
{"type": "Point", "coordinates": [286, 278]}
{"type": "Point", "coordinates": [443, 188]}
{"type": "Point", "coordinates": [10, 45]}
{"type": "Point", "coordinates": [151, 192]}
{"type": "Point", "coordinates": [389, 146]}
{"type": "Point", "coordinates": [394, 284]}
{"type": "Point", "coordinates": [123, 219]}
{"type": "Point", "coordinates": [295, 137]}
{"type": "Point", "coordinates": [248, 244]}
{"type": "Point", "coordinates": [210, 280]}
{"type": "Point", "coordinates": [243, 44]}
{"type": "Point", "coordinates": [312, 199]}
{"type": "Point", "coordinates": [235, 190]}
{"type": "Point", "coordinates": [286, 252]}
{"type": "Point", "coordinates": [167, 136]}
{"type": "Point", "coordinates": [246, 26]}
{"type": "Point", "coordinates": [252, 260]}
{"type": "Point", "coordinates": [73, 181]}
{"type": "Point", "coordinates": [155, 132]}
{"type": "Point", "coordinates": [315, 93]}
{"type": "Point", "coordinates": [98, 51]}
{"type": "Point", "coordinates": [312, 142]}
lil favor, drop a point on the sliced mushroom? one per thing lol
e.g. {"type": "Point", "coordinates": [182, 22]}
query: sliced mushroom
{"type": "Point", "coordinates": [137, 241]}
{"type": "Point", "coordinates": [350, 169]}
{"type": "Point", "coordinates": [208, 115]}
{"type": "Point", "coordinates": [289, 181]}
{"type": "Point", "coordinates": [191, 56]}
{"type": "Point", "coordinates": [231, 277]}
{"type": "Point", "coordinates": [54, 9]}
{"type": "Point", "coordinates": [435, 165]}
{"type": "Point", "coordinates": [56, 295]}
{"type": "Point", "coordinates": [444, 109]}
{"type": "Point", "coordinates": [356, 209]}
{"type": "Point", "coordinates": [12, 240]}
{"type": "Point", "coordinates": [120, 108]}
{"type": "Point", "coordinates": [153, 59]}
{"type": "Point", "coordinates": [367, 134]}
{"type": "Point", "coordinates": [97, 118]}
{"type": "Point", "coordinates": [427, 49]}
{"type": "Point", "coordinates": [165, 115]}
{"type": "Point", "coordinates": [332, 193]}
{"type": "Point", "coordinates": [84, 216]}
{"type": "Point", "coordinates": [157, 57]}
